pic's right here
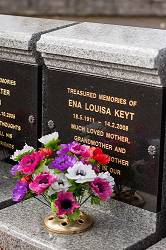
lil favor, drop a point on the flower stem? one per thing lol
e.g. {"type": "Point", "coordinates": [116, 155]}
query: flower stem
{"type": "Point", "coordinates": [81, 197]}
{"type": "Point", "coordinates": [42, 202]}
{"type": "Point", "coordinates": [46, 198]}
{"type": "Point", "coordinates": [85, 200]}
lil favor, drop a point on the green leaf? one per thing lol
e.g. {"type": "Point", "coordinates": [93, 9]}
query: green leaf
{"type": "Point", "coordinates": [75, 216]}
{"type": "Point", "coordinates": [76, 188]}
{"type": "Point", "coordinates": [53, 145]}
{"type": "Point", "coordinates": [95, 200]}
{"type": "Point", "coordinates": [28, 195]}
{"type": "Point", "coordinates": [53, 208]}
{"type": "Point", "coordinates": [53, 197]}
{"type": "Point", "coordinates": [72, 182]}
{"type": "Point", "coordinates": [19, 157]}
{"type": "Point", "coordinates": [40, 168]}
{"type": "Point", "coordinates": [56, 171]}
{"type": "Point", "coordinates": [48, 161]}
{"type": "Point", "coordinates": [92, 161]}
{"type": "Point", "coordinates": [18, 176]}
{"type": "Point", "coordinates": [72, 189]}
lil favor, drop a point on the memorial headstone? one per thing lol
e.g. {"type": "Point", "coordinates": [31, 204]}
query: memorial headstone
{"type": "Point", "coordinates": [105, 86]}
{"type": "Point", "coordinates": [20, 87]}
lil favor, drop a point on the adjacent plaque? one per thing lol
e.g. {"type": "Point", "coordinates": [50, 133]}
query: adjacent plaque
{"type": "Point", "coordinates": [19, 113]}
{"type": "Point", "coordinates": [125, 119]}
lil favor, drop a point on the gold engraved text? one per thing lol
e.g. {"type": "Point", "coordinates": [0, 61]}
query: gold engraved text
{"type": "Point", "coordinates": [81, 93]}
{"type": "Point", "coordinates": [10, 125]}
{"type": "Point", "coordinates": [112, 99]}
{"type": "Point", "coordinates": [8, 81]}
{"type": "Point", "coordinates": [4, 92]}
{"type": "Point", "coordinates": [117, 137]}
{"type": "Point", "coordinates": [93, 142]}
{"type": "Point", "coordinates": [120, 161]}
{"type": "Point", "coordinates": [124, 114]}
{"type": "Point", "coordinates": [6, 145]}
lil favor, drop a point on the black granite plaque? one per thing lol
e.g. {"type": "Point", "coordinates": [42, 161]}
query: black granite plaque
{"type": "Point", "coordinates": [19, 110]}
{"type": "Point", "coordinates": [123, 118]}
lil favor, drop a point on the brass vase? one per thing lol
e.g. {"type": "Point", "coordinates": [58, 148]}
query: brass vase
{"type": "Point", "coordinates": [62, 225]}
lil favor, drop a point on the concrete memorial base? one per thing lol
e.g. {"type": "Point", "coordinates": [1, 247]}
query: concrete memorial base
{"type": "Point", "coordinates": [6, 184]}
{"type": "Point", "coordinates": [161, 245]}
{"type": "Point", "coordinates": [117, 226]}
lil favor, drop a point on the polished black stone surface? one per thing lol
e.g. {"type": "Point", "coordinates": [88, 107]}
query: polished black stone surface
{"type": "Point", "coordinates": [20, 117]}
{"type": "Point", "coordinates": [126, 119]}
{"type": "Point", "coordinates": [19, 105]}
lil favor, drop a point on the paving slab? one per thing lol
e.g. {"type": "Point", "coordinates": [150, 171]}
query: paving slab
{"type": "Point", "coordinates": [117, 226]}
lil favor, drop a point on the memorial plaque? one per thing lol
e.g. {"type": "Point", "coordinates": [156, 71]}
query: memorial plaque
{"type": "Point", "coordinates": [123, 118]}
{"type": "Point", "coordinates": [19, 112]}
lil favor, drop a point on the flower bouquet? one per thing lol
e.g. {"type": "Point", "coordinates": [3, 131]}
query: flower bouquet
{"type": "Point", "coordinates": [66, 176]}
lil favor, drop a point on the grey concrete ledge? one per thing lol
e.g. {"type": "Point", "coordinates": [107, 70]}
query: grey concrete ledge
{"type": "Point", "coordinates": [18, 36]}
{"type": "Point", "coordinates": [127, 53]}
{"type": "Point", "coordinates": [103, 69]}
{"type": "Point", "coordinates": [6, 185]}
{"type": "Point", "coordinates": [17, 55]}
{"type": "Point", "coordinates": [117, 226]}
{"type": "Point", "coordinates": [161, 245]}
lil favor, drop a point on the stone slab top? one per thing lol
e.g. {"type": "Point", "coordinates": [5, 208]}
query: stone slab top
{"type": "Point", "coordinates": [117, 226]}
{"type": "Point", "coordinates": [7, 183]}
{"type": "Point", "coordinates": [122, 45]}
{"type": "Point", "coordinates": [161, 245]}
{"type": "Point", "coordinates": [19, 32]}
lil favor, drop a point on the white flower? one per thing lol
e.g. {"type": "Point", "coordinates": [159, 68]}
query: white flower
{"type": "Point", "coordinates": [25, 149]}
{"type": "Point", "coordinates": [48, 138]}
{"type": "Point", "coordinates": [61, 184]}
{"type": "Point", "coordinates": [49, 170]}
{"type": "Point", "coordinates": [81, 173]}
{"type": "Point", "coordinates": [107, 177]}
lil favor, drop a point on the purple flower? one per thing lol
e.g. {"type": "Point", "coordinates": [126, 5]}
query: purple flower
{"type": "Point", "coordinates": [62, 163]}
{"type": "Point", "coordinates": [20, 191]}
{"type": "Point", "coordinates": [14, 170]}
{"type": "Point", "coordinates": [65, 148]}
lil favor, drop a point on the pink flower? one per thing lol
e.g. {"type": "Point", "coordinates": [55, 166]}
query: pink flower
{"type": "Point", "coordinates": [85, 151]}
{"type": "Point", "coordinates": [66, 203]}
{"type": "Point", "coordinates": [78, 149]}
{"type": "Point", "coordinates": [96, 169]}
{"type": "Point", "coordinates": [30, 162]}
{"type": "Point", "coordinates": [41, 182]}
{"type": "Point", "coordinates": [101, 188]}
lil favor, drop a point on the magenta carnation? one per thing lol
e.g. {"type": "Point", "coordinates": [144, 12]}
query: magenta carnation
{"type": "Point", "coordinates": [66, 203]}
{"type": "Point", "coordinates": [30, 162]}
{"type": "Point", "coordinates": [101, 188]}
{"type": "Point", "coordinates": [41, 182]}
